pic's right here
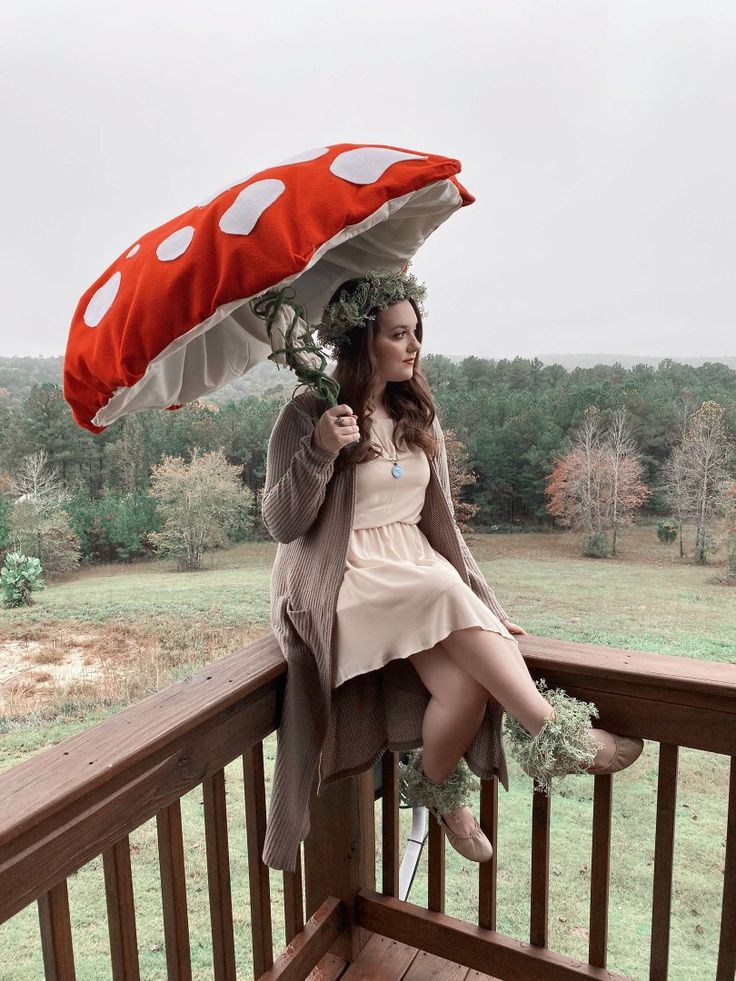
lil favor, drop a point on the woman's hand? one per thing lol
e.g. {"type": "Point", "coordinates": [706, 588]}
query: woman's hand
{"type": "Point", "coordinates": [513, 628]}
{"type": "Point", "coordinates": [332, 436]}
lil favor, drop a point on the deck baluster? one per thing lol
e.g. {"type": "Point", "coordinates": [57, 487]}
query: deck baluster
{"type": "Point", "coordinates": [121, 911]}
{"type": "Point", "coordinates": [600, 870]}
{"type": "Point", "coordinates": [727, 943]}
{"type": "Point", "coordinates": [218, 876]}
{"type": "Point", "coordinates": [488, 871]}
{"type": "Point", "coordinates": [294, 899]}
{"type": "Point", "coordinates": [539, 912]}
{"type": "Point", "coordinates": [390, 823]}
{"type": "Point", "coordinates": [663, 851]}
{"type": "Point", "coordinates": [258, 875]}
{"type": "Point", "coordinates": [174, 893]}
{"type": "Point", "coordinates": [56, 934]}
{"type": "Point", "coordinates": [435, 865]}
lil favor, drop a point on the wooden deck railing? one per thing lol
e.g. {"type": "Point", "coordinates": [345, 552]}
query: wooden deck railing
{"type": "Point", "coordinates": [84, 797]}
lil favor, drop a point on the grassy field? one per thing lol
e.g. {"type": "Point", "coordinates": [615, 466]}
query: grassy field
{"type": "Point", "coordinates": [108, 636]}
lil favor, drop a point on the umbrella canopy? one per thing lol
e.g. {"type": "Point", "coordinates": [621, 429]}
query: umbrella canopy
{"type": "Point", "coordinates": [170, 319]}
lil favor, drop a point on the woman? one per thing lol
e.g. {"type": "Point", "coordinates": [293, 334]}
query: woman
{"type": "Point", "coordinates": [400, 598]}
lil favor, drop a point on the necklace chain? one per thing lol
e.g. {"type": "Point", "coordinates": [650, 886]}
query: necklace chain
{"type": "Point", "coordinates": [396, 469]}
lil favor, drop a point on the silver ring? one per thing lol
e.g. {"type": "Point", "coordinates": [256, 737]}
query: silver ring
{"type": "Point", "coordinates": [339, 421]}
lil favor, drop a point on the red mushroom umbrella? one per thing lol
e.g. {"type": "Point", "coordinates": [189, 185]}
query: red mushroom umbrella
{"type": "Point", "coordinates": [172, 318]}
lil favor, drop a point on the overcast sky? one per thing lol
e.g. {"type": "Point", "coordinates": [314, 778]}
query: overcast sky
{"type": "Point", "coordinates": [597, 136]}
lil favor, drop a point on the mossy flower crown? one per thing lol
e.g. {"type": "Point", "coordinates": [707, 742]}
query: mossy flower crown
{"type": "Point", "coordinates": [294, 343]}
{"type": "Point", "coordinates": [377, 291]}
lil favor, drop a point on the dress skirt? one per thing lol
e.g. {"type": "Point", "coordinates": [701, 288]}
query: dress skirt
{"type": "Point", "coordinates": [398, 594]}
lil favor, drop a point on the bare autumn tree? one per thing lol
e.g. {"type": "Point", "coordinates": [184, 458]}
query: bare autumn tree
{"type": "Point", "coordinates": [673, 485]}
{"type": "Point", "coordinates": [686, 405]}
{"type": "Point", "coordinates": [698, 469]}
{"type": "Point", "coordinates": [33, 477]}
{"type": "Point", "coordinates": [676, 490]}
{"type": "Point", "coordinates": [198, 502]}
{"type": "Point", "coordinates": [627, 491]}
{"type": "Point", "coordinates": [596, 485]}
{"type": "Point", "coordinates": [39, 525]}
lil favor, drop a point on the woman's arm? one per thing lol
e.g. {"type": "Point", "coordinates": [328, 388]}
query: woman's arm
{"type": "Point", "coordinates": [477, 580]}
{"type": "Point", "coordinates": [297, 473]}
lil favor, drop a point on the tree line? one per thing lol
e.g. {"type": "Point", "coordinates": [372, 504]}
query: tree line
{"type": "Point", "coordinates": [531, 445]}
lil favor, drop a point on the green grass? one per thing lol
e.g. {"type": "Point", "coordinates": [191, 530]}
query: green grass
{"type": "Point", "coordinates": [228, 592]}
{"type": "Point", "coordinates": [168, 623]}
{"type": "Point", "coordinates": [636, 607]}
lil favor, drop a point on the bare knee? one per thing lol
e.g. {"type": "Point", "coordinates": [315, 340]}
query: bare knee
{"type": "Point", "coordinates": [462, 687]}
{"type": "Point", "coordinates": [466, 639]}
{"type": "Point", "coordinates": [447, 681]}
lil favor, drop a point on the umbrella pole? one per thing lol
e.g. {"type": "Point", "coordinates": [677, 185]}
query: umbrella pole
{"type": "Point", "coordinates": [302, 358]}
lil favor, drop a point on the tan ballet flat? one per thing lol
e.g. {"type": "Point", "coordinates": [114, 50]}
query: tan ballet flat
{"type": "Point", "coordinates": [628, 750]}
{"type": "Point", "coordinates": [417, 789]}
{"type": "Point", "coordinates": [474, 846]}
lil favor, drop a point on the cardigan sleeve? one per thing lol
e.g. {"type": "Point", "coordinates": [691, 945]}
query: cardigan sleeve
{"type": "Point", "coordinates": [477, 580]}
{"type": "Point", "coordinates": [297, 474]}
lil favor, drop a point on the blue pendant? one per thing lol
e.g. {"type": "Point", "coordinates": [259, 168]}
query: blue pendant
{"type": "Point", "coordinates": [396, 470]}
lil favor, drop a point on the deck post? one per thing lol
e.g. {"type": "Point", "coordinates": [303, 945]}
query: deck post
{"type": "Point", "coordinates": [339, 853]}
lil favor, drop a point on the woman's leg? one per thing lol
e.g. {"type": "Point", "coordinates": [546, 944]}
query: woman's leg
{"type": "Point", "coordinates": [496, 663]}
{"type": "Point", "coordinates": [451, 719]}
{"type": "Point", "coordinates": [453, 714]}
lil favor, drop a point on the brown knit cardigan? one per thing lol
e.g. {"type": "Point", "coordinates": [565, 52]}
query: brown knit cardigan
{"type": "Point", "coordinates": [333, 734]}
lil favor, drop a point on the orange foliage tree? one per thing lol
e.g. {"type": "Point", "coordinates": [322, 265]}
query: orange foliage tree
{"type": "Point", "coordinates": [596, 485]}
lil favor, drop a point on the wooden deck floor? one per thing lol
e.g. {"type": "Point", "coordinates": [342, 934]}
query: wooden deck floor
{"type": "Point", "coordinates": [389, 960]}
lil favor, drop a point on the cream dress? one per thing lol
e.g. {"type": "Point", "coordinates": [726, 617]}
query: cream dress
{"type": "Point", "coordinates": [398, 595]}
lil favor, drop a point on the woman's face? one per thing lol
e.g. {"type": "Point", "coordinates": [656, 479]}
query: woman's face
{"type": "Point", "coordinates": [396, 343]}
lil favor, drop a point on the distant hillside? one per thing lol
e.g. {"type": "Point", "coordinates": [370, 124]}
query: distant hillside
{"type": "Point", "coordinates": [571, 361]}
{"type": "Point", "coordinates": [19, 374]}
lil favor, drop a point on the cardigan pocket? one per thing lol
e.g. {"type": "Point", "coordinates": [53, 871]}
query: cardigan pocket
{"type": "Point", "coordinates": [303, 624]}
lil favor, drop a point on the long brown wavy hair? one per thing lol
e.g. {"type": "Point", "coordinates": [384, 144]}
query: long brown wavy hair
{"type": "Point", "coordinates": [409, 403]}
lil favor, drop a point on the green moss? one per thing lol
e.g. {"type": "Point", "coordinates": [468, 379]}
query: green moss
{"type": "Point", "coordinates": [417, 790]}
{"type": "Point", "coordinates": [562, 746]}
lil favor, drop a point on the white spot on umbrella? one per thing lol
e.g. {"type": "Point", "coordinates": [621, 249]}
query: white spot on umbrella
{"type": "Point", "coordinates": [175, 244]}
{"type": "Point", "coordinates": [102, 300]}
{"type": "Point", "coordinates": [242, 215]}
{"type": "Point", "coordinates": [133, 251]}
{"type": "Point", "coordinates": [319, 151]}
{"type": "Point", "coordinates": [366, 164]}
{"type": "Point", "coordinates": [222, 190]}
